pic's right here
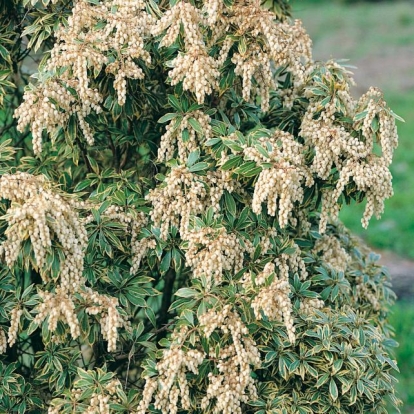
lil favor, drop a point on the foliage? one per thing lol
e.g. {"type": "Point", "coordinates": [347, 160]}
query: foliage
{"type": "Point", "coordinates": [169, 235]}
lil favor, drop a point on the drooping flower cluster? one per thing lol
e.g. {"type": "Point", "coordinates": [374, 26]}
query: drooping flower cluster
{"type": "Point", "coordinates": [110, 319]}
{"type": "Point", "coordinates": [233, 385]}
{"type": "Point", "coordinates": [333, 254]}
{"type": "Point", "coordinates": [211, 252]}
{"type": "Point", "coordinates": [283, 181]}
{"type": "Point", "coordinates": [57, 307]}
{"type": "Point", "coordinates": [3, 341]}
{"type": "Point", "coordinates": [43, 215]}
{"type": "Point", "coordinates": [263, 41]}
{"type": "Point", "coordinates": [40, 213]}
{"type": "Point", "coordinates": [373, 177]}
{"type": "Point", "coordinates": [308, 305]}
{"type": "Point", "coordinates": [171, 383]}
{"type": "Point", "coordinates": [226, 390]}
{"type": "Point", "coordinates": [173, 137]}
{"type": "Point", "coordinates": [197, 71]}
{"type": "Point", "coordinates": [49, 106]}
{"type": "Point", "coordinates": [350, 149]}
{"type": "Point", "coordinates": [83, 47]}
{"type": "Point", "coordinates": [15, 316]}
{"type": "Point", "coordinates": [183, 195]}
{"type": "Point", "coordinates": [95, 403]}
{"type": "Point", "coordinates": [273, 299]}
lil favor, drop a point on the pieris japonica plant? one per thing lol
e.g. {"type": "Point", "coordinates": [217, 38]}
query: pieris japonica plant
{"type": "Point", "coordinates": [170, 239]}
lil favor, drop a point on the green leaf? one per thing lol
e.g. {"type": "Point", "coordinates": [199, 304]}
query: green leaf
{"type": "Point", "coordinates": [234, 146]}
{"type": "Point", "coordinates": [333, 390]}
{"type": "Point", "coordinates": [165, 262]}
{"type": "Point", "coordinates": [175, 103]}
{"type": "Point", "coordinates": [200, 166]}
{"type": "Point", "coordinates": [322, 380]}
{"type": "Point", "coordinates": [185, 135]}
{"type": "Point", "coordinates": [189, 316]}
{"type": "Point", "coordinates": [196, 125]}
{"type": "Point", "coordinates": [82, 185]}
{"type": "Point", "coordinates": [360, 115]}
{"type": "Point", "coordinates": [212, 141]}
{"type": "Point", "coordinates": [397, 117]}
{"type": "Point", "coordinates": [193, 157]}
{"type": "Point", "coordinates": [151, 316]}
{"type": "Point", "coordinates": [232, 163]}
{"type": "Point", "coordinates": [230, 203]}
{"type": "Point", "coordinates": [248, 169]}
{"type": "Point", "coordinates": [167, 117]}
{"type": "Point", "coordinates": [186, 293]}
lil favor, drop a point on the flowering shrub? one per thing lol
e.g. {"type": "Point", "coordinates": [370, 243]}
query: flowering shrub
{"type": "Point", "coordinates": [170, 241]}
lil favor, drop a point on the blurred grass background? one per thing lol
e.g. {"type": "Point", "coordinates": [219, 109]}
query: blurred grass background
{"type": "Point", "coordinates": [378, 38]}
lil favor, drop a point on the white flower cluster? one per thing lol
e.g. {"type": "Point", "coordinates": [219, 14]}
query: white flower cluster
{"type": "Point", "coordinates": [81, 46]}
{"type": "Point", "coordinates": [110, 319]}
{"type": "Point", "coordinates": [265, 241]}
{"type": "Point", "coordinates": [212, 251]}
{"type": "Point", "coordinates": [213, 9]}
{"type": "Point", "coordinates": [48, 107]}
{"type": "Point", "coordinates": [333, 254]}
{"type": "Point", "coordinates": [308, 306]}
{"type": "Point", "coordinates": [171, 384]}
{"type": "Point", "coordinates": [58, 306]}
{"type": "Point", "coordinates": [197, 70]}
{"type": "Point", "coordinates": [295, 261]}
{"type": "Point", "coordinates": [194, 67]}
{"type": "Point", "coordinates": [350, 151]}
{"type": "Point", "coordinates": [127, 26]}
{"type": "Point", "coordinates": [99, 403]}
{"type": "Point", "coordinates": [326, 138]}
{"type": "Point", "coordinates": [140, 248]}
{"type": "Point", "coordinates": [3, 341]}
{"type": "Point", "coordinates": [371, 176]}
{"type": "Point", "coordinates": [41, 213]}
{"type": "Point", "coordinates": [365, 293]}
{"type": "Point", "coordinates": [253, 63]}
{"type": "Point", "coordinates": [272, 298]}
{"type": "Point", "coordinates": [15, 316]}
{"type": "Point", "coordinates": [227, 390]}
{"type": "Point", "coordinates": [283, 182]}
{"type": "Point", "coordinates": [219, 181]}
{"type": "Point", "coordinates": [233, 385]}
{"type": "Point", "coordinates": [184, 194]}
{"type": "Point", "coordinates": [377, 113]}
{"type": "Point", "coordinates": [172, 139]}
{"type": "Point", "coordinates": [81, 49]}
{"type": "Point", "coordinates": [265, 41]}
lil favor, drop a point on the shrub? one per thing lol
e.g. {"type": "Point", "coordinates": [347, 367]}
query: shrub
{"type": "Point", "coordinates": [169, 236]}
